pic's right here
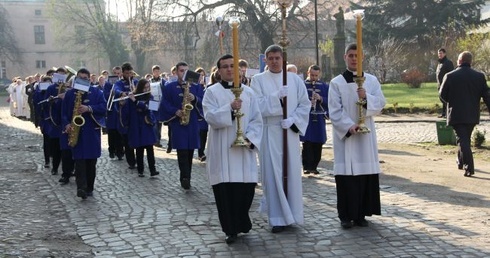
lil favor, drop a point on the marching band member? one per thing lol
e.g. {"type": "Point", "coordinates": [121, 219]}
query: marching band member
{"type": "Point", "coordinates": [157, 83]}
{"type": "Point", "coordinates": [121, 89]}
{"type": "Point", "coordinates": [203, 126]}
{"type": "Point", "coordinates": [232, 172]}
{"type": "Point", "coordinates": [91, 106]}
{"type": "Point", "coordinates": [184, 137]}
{"type": "Point", "coordinates": [141, 135]}
{"type": "Point", "coordinates": [53, 120]}
{"type": "Point", "coordinates": [114, 139]}
{"type": "Point", "coordinates": [40, 113]}
{"type": "Point", "coordinates": [316, 132]}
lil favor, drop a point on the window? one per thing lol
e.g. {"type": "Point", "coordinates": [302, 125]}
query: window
{"type": "Point", "coordinates": [80, 34]}
{"type": "Point", "coordinates": [40, 63]}
{"type": "Point", "coordinates": [3, 70]}
{"type": "Point", "coordinates": [37, 12]}
{"type": "Point", "coordinates": [39, 34]}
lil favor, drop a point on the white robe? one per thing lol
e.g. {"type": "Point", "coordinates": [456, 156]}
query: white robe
{"type": "Point", "coordinates": [225, 163]}
{"type": "Point", "coordinates": [357, 154]}
{"type": "Point", "coordinates": [12, 104]}
{"type": "Point", "coordinates": [281, 211]}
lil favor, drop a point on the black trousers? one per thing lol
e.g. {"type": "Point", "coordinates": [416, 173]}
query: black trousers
{"type": "Point", "coordinates": [129, 152]}
{"type": "Point", "coordinates": [157, 127]}
{"type": "Point", "coordinates": [150, 156]}
{"type": "Point", "coordinates": [169, 134]}
{"type": "Point", "coordinates": [357, 196]}
{"type": "Point", "coordinates": [184, 158]}
{"type": "Point", "coordinates": [47, 153]}
{"type": "Point", "coordinates": [55, 150]}
{"type": "Point", "coordinates": [203, 135]}
{"type": "Point", "coordinates": [233, 201]}
{"type": "Point", "coordinates": [311, 155]}
{"type": "Point", "coordinates": [67, 163]}
{"type": "Point", "coordinates": [85, 172]}
{"type": "Point", "coordinates": [463, 139]}
{"type": "Point", "coordinates": [115, 142]}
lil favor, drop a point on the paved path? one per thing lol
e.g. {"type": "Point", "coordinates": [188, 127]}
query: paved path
{"type": "Point", "coordinates": [153, 217]}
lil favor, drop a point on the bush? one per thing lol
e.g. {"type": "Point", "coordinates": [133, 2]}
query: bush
{"type": "Point", "coordinates": [478, 138]}
{"type": "Point", "coordinates": [413, 78]}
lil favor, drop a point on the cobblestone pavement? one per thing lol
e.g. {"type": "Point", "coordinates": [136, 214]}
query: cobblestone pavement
{"type": "Point", "coordinates": [153, 217]}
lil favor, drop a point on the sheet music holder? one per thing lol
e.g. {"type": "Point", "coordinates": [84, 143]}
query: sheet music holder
{"type": "Point", "coordinates": [44, 85]}
{"type": "Point", "coordinates": [191, 77]}
{"type": "Point", "coordinates": [112, 79]}
{"type": "Point", "coordinates": [81, 84]}
{"type": "Point", "coordinates": [58, 77]}
{"type": "Point", "coordinates": [153, 105]}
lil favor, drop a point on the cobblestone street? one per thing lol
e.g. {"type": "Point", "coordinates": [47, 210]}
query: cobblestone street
{"type": "Point", "coordinates": [130, 216]}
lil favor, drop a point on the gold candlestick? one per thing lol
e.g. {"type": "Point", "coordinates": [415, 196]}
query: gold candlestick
{"type": "Point", "coordinates": [237, 90]}
{"type": "Point", "coordinates": [359, 14]}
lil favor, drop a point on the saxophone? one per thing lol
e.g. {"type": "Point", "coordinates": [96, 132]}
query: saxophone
{"type": "Point", "coordinates": [186, 106]}
{"type": "Point", "coordinates": [77, 121]}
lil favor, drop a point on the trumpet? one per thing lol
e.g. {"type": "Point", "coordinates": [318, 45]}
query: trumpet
{"type": "Point", "coordinates": [127, 97]}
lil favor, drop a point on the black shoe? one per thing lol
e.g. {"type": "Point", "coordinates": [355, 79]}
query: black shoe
{"type": "Point", "coordinates": [460, 166]}
{"type": "Point", "coordinates": [345, 224]}
{"type": "Point", "coordinates": [82, 194]}
{"type": "Point", "coordinates": [230, 238]}
{"type": "Point", "coordinates": [64, 180]}
{"type": "Point", "coordinates": [158, 145]}
{"type": "Point", "coordinates": [316, 172]}
{"type": "Point", "coordinates": [132, 167]}
{"type": "Point", "coordinates": [202, 158]}
{"type": "Point", "coordinates": [185, 183]}
{"type": "Point", "coordinates": [120, 157]}
{"type": "Point", "coordinates": [468, 173]}
{"type": "Point", "coordinates": [361, 223]}
{"type": "Point", "coordinates": [54, 172]}
{"type": "Point", "coordinates": [90, 193]}
{"type": "Point", "coordinates": [306, 172]}
{"type": "Point", "coordinates": [140, 174]}
{"type": "Point", "coordinates": [154, 173]}
{"type": "Point", "coordinates": [277, 229]}
{"type": "Point", "coordinates": [46, 165]}
{"type": "Point", "coordinates": [169, 149]}
{"type": "Point", "coordinates": [111, 155]}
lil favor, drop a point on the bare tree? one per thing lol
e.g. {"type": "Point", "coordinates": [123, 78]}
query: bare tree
{"type": "Point", "coordinates": [94, 31]}
{"type": "Point", "coordinates": [8, 43]}
{"type": "Point", "coordinates": [388, 60]}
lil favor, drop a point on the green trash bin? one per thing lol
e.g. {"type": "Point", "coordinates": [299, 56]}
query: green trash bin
{"type": "Point", "coordinates": [445, 133]}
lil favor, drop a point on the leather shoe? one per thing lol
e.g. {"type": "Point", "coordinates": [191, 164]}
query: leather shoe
{"type": "Point", "coordinates": [316, 172]}
{"type": "Point", "coordinates": [202, 158]}
{"type": "Point", "coordinates": [306, 172]}
{"type": "Point", "coordinates": [277, 229]}
{"type": "Point", "coordinates": [345, 224]}
{"type": "Point", "coordinates": [169, 149]}
{"type": "Point", "coordinates": [468, 173]}
{"type": "Point", "coordinates": [361, 222]}
{"type": "Point", "coordinates": [90, 193]}
{"type": "Point", "coordinates": [54, 172]}
{"type": "Point", "coordinates": [64, 180]}
{"type": "Point", "coordinates": [140, 174]}
{"type": "Point", "coordinates": [111, 155]}
{"type": "Point", "coordinates": [185, 183]}
{"type": "Point", "coordinates": [132, 167]}
{"type": "Point", "coordinates": [82, 194]}
{"type": "Point", "coordinates": [46, 165]}
{"type": "Point", "coordinates": [158, 145]}
{"type": "Point", "coordinates": [230, 238]}
{"type": "Point", "coordinates": [154, 173]}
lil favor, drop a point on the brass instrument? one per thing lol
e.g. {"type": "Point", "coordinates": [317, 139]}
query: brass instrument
{"type": "Point", "coordinates": [186, 105]}
{"type": "Point", "coordinates": [77, 121]}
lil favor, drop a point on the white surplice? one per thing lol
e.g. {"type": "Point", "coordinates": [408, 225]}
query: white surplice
{"type": "Point", "coordinates": [225, 163]}
{"type": "Point", "coordinates": [357, 154]}
{"type": "Point", "coordinates": [280, 209]}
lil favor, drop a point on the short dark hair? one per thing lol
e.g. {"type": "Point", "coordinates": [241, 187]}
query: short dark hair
{"type": "Point", "coordinates": [227, 56]}
{"type": "Point", "coordinates": [314, 67]}
{"type": "Point", "coordinates": [180, 64]}
{"type": "Point", "coordinates": [443, 50]}
{"type": "Point", "coordinates": [273, 49]}
{"type": "Point", "coordinates": [127, 67]}
{"type": "Point", "coordinates": [352, 46]}
{"type": "Point", "coordinates": [61, 70]}
{"type": "Point", "coordinates": [50, 71]}
{"type": "Point", "coordinates": [242, 63]}
{"type": "Point", "coordinates": [155, 67]}
{"type": "Point", "coordinates": [83, 70]}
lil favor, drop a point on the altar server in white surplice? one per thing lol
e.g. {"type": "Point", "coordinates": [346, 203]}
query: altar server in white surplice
{"type": "Point", "coordinates": [282, 210]}
{"type": "Point", "coordinates": [232, 171]}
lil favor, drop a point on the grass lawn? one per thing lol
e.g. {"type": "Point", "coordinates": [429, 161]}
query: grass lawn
{"type": "Point", "coordinates": [424, 98]}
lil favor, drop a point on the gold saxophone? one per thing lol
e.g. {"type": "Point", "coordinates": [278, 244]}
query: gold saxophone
{"type": "Point", "coordinates": [77, 121]}
{"type": "Point", "coordinates": [186, 106]}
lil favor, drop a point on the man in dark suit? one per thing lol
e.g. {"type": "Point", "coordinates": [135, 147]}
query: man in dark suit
{"type": "Point", "coordinates": [445, 65]}
{"type": "Point", "coordinates": [461, 90]}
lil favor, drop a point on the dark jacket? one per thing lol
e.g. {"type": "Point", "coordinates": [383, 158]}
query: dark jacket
{"type": "Point", "coordinates": [462, 90]}
{"type": "Point", "coordinates": [445, 66]}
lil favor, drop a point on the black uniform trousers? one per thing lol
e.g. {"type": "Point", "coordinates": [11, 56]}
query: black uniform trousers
{"type": "Point", "coordinates": [47, 153]}
{"type": "Point", "coordinates": [150, 156]}
{"type": "Point", "coordinates": [55, 150]}
{"type": "Point", "coordinates": [311, 155]}
{"type": "Point", "coordinates": [67, 163]}
{"type": "Point", "coordinates": [203, 135]}
{"type": "Point", "coordinates": [115, 142]}
{"type": "Point", "coordinates": [184, 158]}
{"type": "Point", "coordinates": [85, 172]}
{"type": "Point", "coordinates": [130, 158]}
